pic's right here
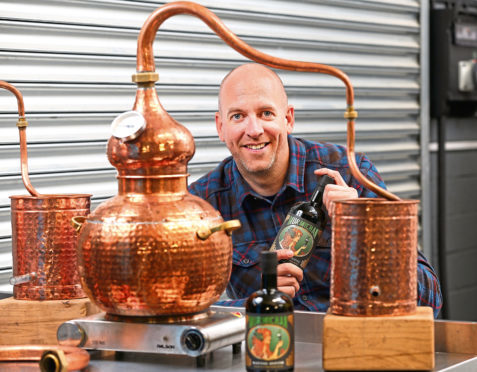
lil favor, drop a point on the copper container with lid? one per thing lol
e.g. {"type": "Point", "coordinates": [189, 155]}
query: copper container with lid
{"type": "Point", "coordinates": [43, 240]}
{"type": "Point", "coordinates": [151, 250]}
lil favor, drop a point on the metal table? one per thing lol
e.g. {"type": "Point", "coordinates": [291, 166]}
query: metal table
{"type": "Point", "coordinates": [456, 350]}
{"type": "Point", "coordinates": [308, 358]}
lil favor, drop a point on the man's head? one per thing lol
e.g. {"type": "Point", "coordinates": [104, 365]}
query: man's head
{"type": "Point", "coordinates": [254, 119]}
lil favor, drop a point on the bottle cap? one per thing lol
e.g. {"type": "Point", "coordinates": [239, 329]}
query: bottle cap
{"type": "Point", "coordinates": [268, 262]}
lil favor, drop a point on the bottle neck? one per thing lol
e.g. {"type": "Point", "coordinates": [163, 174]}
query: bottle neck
{"type": "Point", "coordinates": [269, 281]}
{"type": "Point", "coordinates": [317, 197]}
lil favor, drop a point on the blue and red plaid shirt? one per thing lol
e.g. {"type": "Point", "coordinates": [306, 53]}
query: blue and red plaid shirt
{"type": "Point", "coordinates": [261, 218]}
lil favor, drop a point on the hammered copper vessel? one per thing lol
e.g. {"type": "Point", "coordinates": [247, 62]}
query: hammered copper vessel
{"type": "Point", "coordinates": [148, 251]}
{"type": "Point", "coordinates": [44, 246]}
{"type": "Point", "coordinates": [374, 254]}
{"type": "Point", "coordinates": [43, 241]}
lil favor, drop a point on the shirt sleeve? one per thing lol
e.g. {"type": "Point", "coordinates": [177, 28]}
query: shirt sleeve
{"type": "Point", "coordinates": [193, 189]}
{"type": "Point", "coordinates": [428, 288]}
{"type": "Point", "coordinates": [238, 302]}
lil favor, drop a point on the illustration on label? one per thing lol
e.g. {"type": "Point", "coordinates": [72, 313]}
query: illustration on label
{"type": "Point", "coordinates": [268, 342]}
{"type": "Point", "coordinates": [299, 236]}
{"type": "Point", "coordinates": [296, 238]}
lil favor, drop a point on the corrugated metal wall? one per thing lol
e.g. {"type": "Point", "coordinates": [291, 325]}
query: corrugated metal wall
{"type": "Point", "coordinates": [73, 61]}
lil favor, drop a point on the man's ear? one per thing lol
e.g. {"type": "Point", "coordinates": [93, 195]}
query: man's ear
{"type": "Point", "coordinates": [290, 117]}
{"type": "Point", "coordinates": [218, 125]}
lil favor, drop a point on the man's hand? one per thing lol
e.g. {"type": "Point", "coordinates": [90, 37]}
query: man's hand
{"type": "Point", "coordinates": [289, 276]}
{"type": "Point", "coordinates": [339, 191]}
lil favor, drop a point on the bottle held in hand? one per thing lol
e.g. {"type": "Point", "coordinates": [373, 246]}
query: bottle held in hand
{"type": "Point", "coordinates": [269, 323]}
{"type": "Point", "coordinates": [303, 226]}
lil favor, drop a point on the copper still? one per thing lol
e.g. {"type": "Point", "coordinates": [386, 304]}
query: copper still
{"type": "Point", "coordinates": [148, 251]}
{"type": "Point", "coordinates": [43, 241]}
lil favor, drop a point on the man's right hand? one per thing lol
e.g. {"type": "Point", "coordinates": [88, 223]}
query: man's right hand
{"type": "Point", "coordinates": [289, 276]}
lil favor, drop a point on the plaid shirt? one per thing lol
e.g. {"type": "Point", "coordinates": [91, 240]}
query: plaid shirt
{"type": "Point", "coordinates": [261, 218]}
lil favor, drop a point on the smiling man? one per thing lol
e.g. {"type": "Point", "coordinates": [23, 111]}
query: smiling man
{"type": "Point", "coordinates": [268, 172]}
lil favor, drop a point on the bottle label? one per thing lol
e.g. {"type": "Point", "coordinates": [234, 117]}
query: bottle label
{"type": "Point", "coordinates": [270, 341]}
{"type": "Point", "coordinates": [300, 236]}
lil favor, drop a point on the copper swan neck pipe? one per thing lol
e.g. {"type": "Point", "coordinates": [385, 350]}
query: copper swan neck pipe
{"type": "Point", "coordinates": [145, 64]}
{"type": "Point", "coordinates": [21, 124]}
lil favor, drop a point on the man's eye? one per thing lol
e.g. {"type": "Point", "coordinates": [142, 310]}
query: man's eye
{"type": "Point", "coordinates": [267, 114]}
{"type": "Point", "coordinates": [236, 116]}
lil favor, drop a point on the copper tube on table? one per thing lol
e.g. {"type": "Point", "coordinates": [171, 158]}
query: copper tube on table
{"type": "Point", "coordinates": [43, 242]}
{"type": "Point", "coordinates": [74, 357]}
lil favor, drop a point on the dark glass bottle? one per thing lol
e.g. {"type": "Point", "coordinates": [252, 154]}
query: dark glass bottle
{"type": "Point", "coordinates": [270, 342]}
{"type": "Point", "coordinates": [303, 226]}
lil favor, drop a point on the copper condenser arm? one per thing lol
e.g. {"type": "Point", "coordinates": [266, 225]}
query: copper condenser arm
{"type": "Point", "coordinates": [146, 68]}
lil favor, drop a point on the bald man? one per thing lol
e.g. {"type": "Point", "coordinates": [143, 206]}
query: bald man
{"type": "Point", "coordinates": [268, 172]}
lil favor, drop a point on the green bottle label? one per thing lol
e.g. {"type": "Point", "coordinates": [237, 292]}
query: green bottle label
{"type": "Point", "coordinates": [270, 341]}
{"type": "Point", "coordinates": [300, 236]}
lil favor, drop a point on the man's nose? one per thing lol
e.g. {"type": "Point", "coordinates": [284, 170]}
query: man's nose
{"type": "Point", "coordinates": [254, 127]}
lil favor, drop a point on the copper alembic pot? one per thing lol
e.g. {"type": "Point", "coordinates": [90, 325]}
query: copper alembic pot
{"type": "Point", "coordinates": [43, 241]}
{"type": "Point", "coordinates": [154, 249]}
{"type": "Point", "coordinates": [151, 250]}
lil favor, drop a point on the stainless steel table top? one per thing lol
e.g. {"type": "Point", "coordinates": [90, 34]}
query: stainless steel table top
{"type": "Point", "coordinates": [450, 337]}
{"type": "Point", "coordinates": [456, 346]}
{"type": "Point", "coordinates": [308, 358]}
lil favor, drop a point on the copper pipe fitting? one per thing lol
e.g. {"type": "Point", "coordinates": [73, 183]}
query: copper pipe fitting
{"type": "Point", "coordinates": [52, 358]}
{"type": "Point", "coordinates": [145, 64]}
{"type": "Point", "coordinates": [22, 124]}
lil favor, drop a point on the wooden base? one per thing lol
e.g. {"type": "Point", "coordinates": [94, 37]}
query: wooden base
{"type": "Point", "coordinates": [35, 322]}
{"type": "Point", "coordinates": [379, 343]}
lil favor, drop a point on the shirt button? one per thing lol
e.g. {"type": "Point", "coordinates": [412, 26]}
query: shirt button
{"type": "Point", "coordinates": [246, 261]}
{"type": "Point", "coordinates": [304, 298]}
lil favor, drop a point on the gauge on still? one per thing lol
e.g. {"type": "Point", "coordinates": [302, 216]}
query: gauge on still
{"type": "Point", "coordinates": [128, 125]}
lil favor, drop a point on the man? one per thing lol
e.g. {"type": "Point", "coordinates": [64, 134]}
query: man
{"type": "Point", "coordinates": [268, 172]}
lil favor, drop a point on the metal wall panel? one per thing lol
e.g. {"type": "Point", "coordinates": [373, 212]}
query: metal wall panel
{"type": "Point", "coordinates": [73, 61]}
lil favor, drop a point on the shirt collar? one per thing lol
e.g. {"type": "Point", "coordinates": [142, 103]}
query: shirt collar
{"type": "Point", "coordinates": [295, 177]}
{"type": "Point", "coordinates": [241, 187]}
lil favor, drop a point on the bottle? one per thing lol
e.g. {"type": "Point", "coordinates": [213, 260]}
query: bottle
{"type": "Point", "coordinates": [270, 343]}
{"type": "Point", "coordinates": [303, 226]}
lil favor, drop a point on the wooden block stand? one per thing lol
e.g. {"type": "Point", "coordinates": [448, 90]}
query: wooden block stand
{"type": "Point", "coordinates": [35, 322]}
{"type": "Point", "coordinates": [379, 343]}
